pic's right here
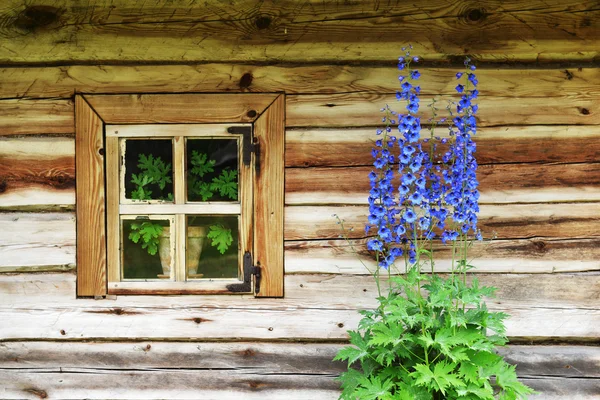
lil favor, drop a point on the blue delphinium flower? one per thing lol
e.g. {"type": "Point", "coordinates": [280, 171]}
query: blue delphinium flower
{"type": "Point", "coordinates": [437, 192]}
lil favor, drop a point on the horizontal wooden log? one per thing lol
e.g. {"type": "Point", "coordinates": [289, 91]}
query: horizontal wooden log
{"type": "Point", "coordinates": [189, 323]}
{"type": "Point", "coordinates": [526, 31]}
{"type": "Point", "coordinates": [27, 362]}
{"type": "Point", "coordinates": [27, 116]}
{"type": "Point", "coordinates": [306, 291]}
{"type": "Point", "coordinates": [505, 144]}
{"type": "Point", "coordinates": [539, 255]}
{"type": "Point", "coordinates": [37, 171]}
{"type": "Point", "coordinates": [514, 221]}
{"type": "Point", "coordinates": [266, 358]}
{"type": "Point", "coordinates": [47, 240]}
{"type": "Point", "coordinates": [293, 79]}
{"type": "Point", "coordinates": [74, 383]}
{"type": "Point", "coordinates": [363, 109]}
{"type": "Point", "coordinates": [94, 383]}
{"type": "Point", "coordinates": [504, 183]}
{"type": "Point", "coordinates": [21, 117]}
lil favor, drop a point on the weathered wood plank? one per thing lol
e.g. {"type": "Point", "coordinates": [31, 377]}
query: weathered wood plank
{"type": "Point", "coordinates": [37, 171]}
{"type": "Point", "coordinates": [74, 383]}
{"type": "Point", "coordinates": [293, 79]}
{"type": "Point", "coordinates": [505, 144]}
{"type": "Point", "coordinates": [199, 384]}
{"type": "Point", "coordinates": [535, 323]}
{"type": "Point", "coordinates": [544, 367]}
{"type": "Point", "coordinates": [526, 31]}
{"type": "Point", "coordinates": [268, 217]}
{"type": "Point", "coordinates": [22, 117]}
{"type": "Point", "coordinates": [307, 291]}
{"type": "Point", "coordinates": [504, 183]}
{"type": "Point", "coordinates": [576, 220]}
{"type": "Point", "coordinates": [90, 200]}
{"type": "Point", "coordinates": [538, 255]}
{"type": "Point", "coordinates": [179, 108]}
{"type": "Point", "coordinates": [330, 110]}
{"type": "Point", "coordinates": [266, 358]}
{"type": "Point", "coordinates": [363, 109]}
{"type": "Point", "coordinates": [47, 240]}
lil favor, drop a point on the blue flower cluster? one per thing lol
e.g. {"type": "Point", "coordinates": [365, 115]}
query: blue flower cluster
{"type": "Point", "coordinates": [436, 194]}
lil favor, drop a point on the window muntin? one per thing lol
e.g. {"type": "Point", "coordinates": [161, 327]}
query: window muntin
{"type": "Point", "coordinates": [205, 193]}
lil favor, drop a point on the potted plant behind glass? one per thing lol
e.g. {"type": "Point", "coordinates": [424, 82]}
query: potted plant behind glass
{"type": "Point", "coordinates": [430, 337]}
{"type": "Point", "coordinates": [154, 236]}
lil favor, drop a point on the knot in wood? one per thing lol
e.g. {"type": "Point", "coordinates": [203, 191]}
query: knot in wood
{"type": "Point", "coordinates": [262, 22]}
{"type": "Point", "coordinates": [34, 18]}
{"type": "Point", "coordinates": [246, 80]}
{"type": "Point", "coordinates": [475, 15]}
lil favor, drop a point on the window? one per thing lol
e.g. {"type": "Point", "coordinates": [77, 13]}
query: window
{"type": "Point", "coordinates": [179, 194]}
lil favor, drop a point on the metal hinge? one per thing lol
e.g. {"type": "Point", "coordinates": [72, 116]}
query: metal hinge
{"type": "Point", "coordinates": [249, 145]}
{"type": "Point", "coordinates": [249, 270]}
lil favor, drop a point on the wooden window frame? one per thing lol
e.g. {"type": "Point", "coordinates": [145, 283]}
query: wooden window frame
{"type": "Point", "coordinates": [93, 112]}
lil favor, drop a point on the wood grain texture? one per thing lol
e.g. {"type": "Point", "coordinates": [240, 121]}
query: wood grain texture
{"type": "Point", "coordinates": [537, 307]}
{"type": "Point", "coordinates": [179, 108]}
{"type": "Point", "coordinates": [306, 292]}
{"type": "Point", "coordinates": [40, 171]}
{"type": "Point", "coordinates": [363, 109]}
{"type": "Point", "coordinates": [23, 117]}
{"type": "Point", "coordinates": [28, 361]}
{"type": "Point", "coordinates": [269, 130]}
{"type": "Point", "coordinates": [323, 111]}
{"type": "Point", "coordinates": [505, 221]}
{"type": "Point", "coordinates": [90, 193]}
{"type": "Point", "coordinates": [45, 241]}
{"type": "Point", "coordinates": [503, 144]}
{"type": "Point", "coordinates": [536, 255]}
{"type": "Point", "coordinates": [293, 79]}
{"type": "Point", "coordinates": [504, 183]}
{"type": "Point", "coordinates": [532, 31]}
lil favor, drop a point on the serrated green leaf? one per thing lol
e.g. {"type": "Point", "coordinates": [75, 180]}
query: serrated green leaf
{"type": "Point", "coordinates": [226, 184]}
{"type": "Point", "coordinates": [201, 165]}
{"type": "Point", "coordinates": [221, 237]}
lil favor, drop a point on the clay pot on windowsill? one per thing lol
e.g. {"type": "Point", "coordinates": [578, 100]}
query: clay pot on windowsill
{"type": "Point", "coordinates": [195, 240]}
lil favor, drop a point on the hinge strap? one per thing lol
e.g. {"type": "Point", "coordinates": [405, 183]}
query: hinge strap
{"type": "Point", "coordinates": [249, 270]}
{"type": "Point", "coordinates": [248, 145]}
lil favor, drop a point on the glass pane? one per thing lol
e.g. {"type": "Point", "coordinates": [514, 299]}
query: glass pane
{"type": "Point", "coordinates": [212, 249]}
{"type": "Point", "coordinates": [149, 169]}
{"type": "Point", "coordinates": [146, 249]}
{"type": "Point", "coordinates": [212, 169]}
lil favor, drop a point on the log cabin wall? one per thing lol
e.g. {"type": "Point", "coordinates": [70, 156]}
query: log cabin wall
{"type": "Point", "coordinates": [538, 149]}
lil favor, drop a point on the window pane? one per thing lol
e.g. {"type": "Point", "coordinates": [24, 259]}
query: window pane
{"type": "Point", "coordinates": [212, 249]}
{"type": "Point", "coordinates": [146, 249]}
{"type": "Point", "coordinates": [212, 169]}
{"type": "Point", "coordinates": [149, 169]}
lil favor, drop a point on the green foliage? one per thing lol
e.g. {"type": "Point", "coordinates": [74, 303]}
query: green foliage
{"type": "Point", "coordinates": [225, 184]}
{"type": "Point", "coordinates": [201, 165]}
{"type": "Point", "coordinates": [430, 338]}
{"type": "Point", "coordinates": [153, 172]}
{"type": "Point", "coordinates": [220, 237]}
{"type": "Point", "coordinates": [148, 232]}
